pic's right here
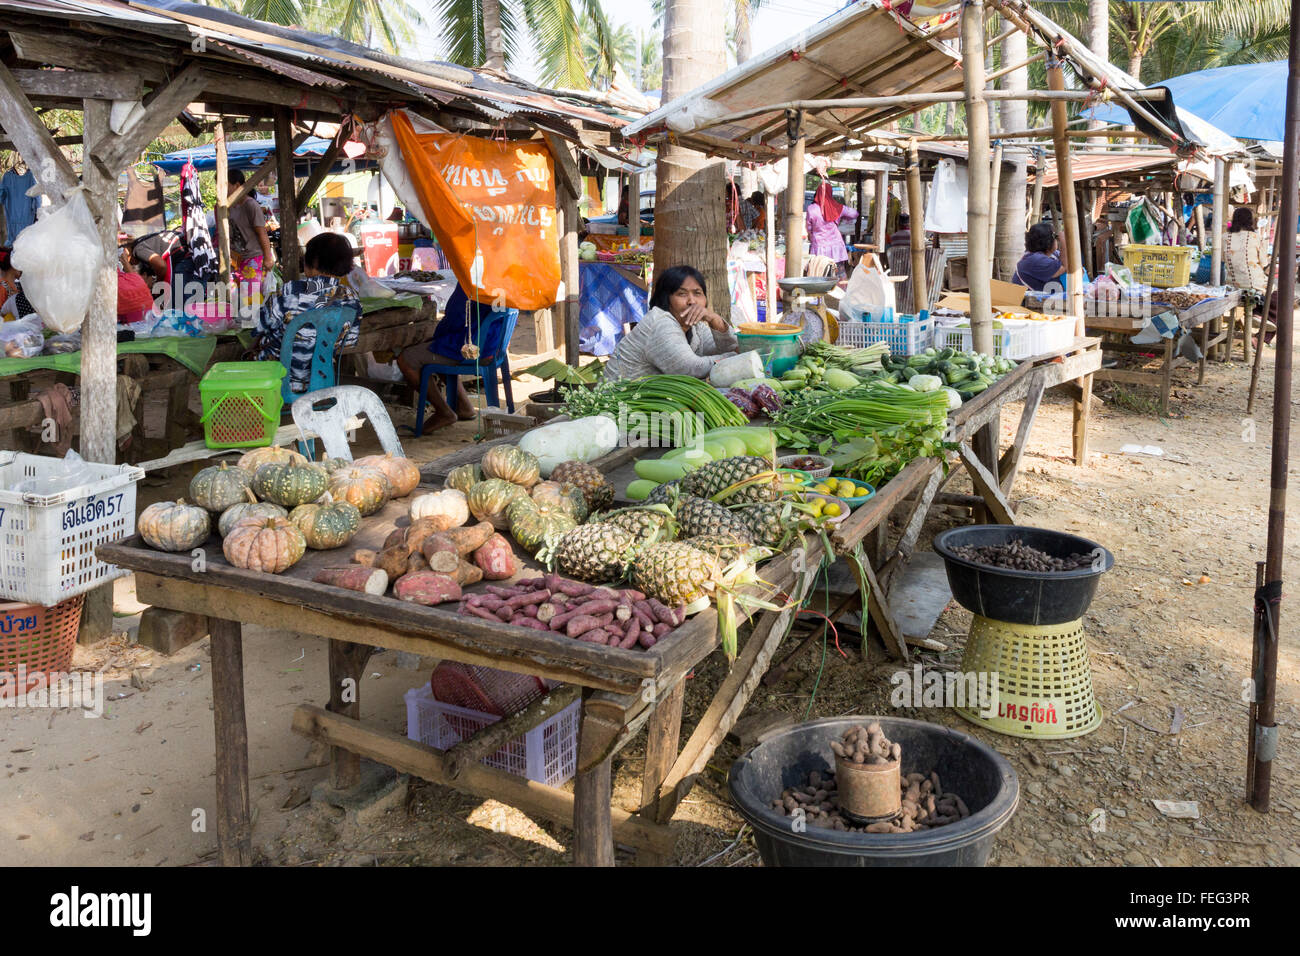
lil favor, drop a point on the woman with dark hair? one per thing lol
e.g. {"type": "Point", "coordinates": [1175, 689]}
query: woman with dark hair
{"type": "Point", "coordinates": [680, 335]}
{"type": "Point", "coordinates": [1246, 261]}
{"type": "Point", "coordinates": [1041, 262]}
{"type": "Point", "coordinates": [326, 261]}
{"type": "Point", "coordinates": [13, 301]}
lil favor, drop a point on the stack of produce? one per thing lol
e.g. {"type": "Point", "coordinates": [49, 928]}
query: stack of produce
{"type": "Point", "coordinates": [966, 373]}
{"type": "Point", "coordinates": [663, 409]}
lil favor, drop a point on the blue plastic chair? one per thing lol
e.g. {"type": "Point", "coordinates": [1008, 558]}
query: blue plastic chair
{"type": "Point", "coordinates": [331, 323]}
{"type": "Point", "coordinates": [486, 367]}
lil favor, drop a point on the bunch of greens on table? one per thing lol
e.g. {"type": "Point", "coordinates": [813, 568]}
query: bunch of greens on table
{"type": "Point", "coordinates": [563, 374]}
{"type": "Point", "coordinates": [869, 432]}
{"type": "Point", "coordinates": [665, 409]}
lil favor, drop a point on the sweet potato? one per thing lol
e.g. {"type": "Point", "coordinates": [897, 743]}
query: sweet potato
{"type": "Point", "coordinates": [581, 624]}
{"type": "Point", "coordinates": [496, 559]}
{"type": "Point", "coordinates": [479, 611]}
{"type": "Point", "coordinates": [440, 552]}
{"type": "Point", "coordinates": [467, 574]}
{"type": "Point", "coordinates": [395, 537]}
{"type": "Point", "coordinates": [364, 557]}
{"type": "Point", "coordinates": [647, 639]}
{"type": "Point", "coordinates": [559, 585]}
{"type": "Point", "coordinates": [419, 532]}
{"type": "Point", "coordinates": [522, 620]}
{"type": "Point", "coordinates": [415, 562]}
{"type": "Point", "coordinates": [630, 640]}
{"type": "Point", "coordinates": [355, 578]}
{"type": "Point", "coordinates": [594, 636]}
{"type": "Point", "coordinates": [395, 561]}
{"type": "Point", "coordinates": [545, 612]}
{"type": "Point", "coordinates": [470, 538]}
{"type": "Point", "coordinates": [524, 600]}
{"type": "Point", "coordinates": [427, 588]}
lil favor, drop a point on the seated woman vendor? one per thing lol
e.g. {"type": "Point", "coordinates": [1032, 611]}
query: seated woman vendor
{"type": "Point", "coordinates": [678, 336]}
{"type": "Point", "coordinates": [326, 260]}
{"type": "Point", "coordinates": [1041, 264]}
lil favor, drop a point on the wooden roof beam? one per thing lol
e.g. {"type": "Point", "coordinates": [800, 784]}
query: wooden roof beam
{"type": "Point", "coordinates": [34, 141]}
{"type": "Point", "coordinates": [116, 150]}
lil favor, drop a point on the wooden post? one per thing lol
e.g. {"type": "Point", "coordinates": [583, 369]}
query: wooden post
{"type": "Point", "coordinates": [222, 211]}
{"type": "Point", "coordinates": [978, 251]}
{"type": "Point", "coordinates": [289, 257]}
{"type": "Point", "coordinates": [769, 253]}
{"type": "Point", "coordinates": [234, 828]}
{"type": "Point", "coordinates": [569, 307]}
{"type": "Point", "coordinates": [916, 212]}
{"type": "Point", "coordinates": [663, 736]}
{"type": "Point", "coordinates": [794, 231]}
{"type": "Point", "coordinates": [1200, 226]}
{"type": "Point", "coordinates": [995, 185]}
{"type": "Point", "coordinates": [1036, 208]}
{"type": "Point", "coordinates": [1221, 170]}
{"type": "Point", "coordinates": [1069, 207]}
{"type": "Point", "coordinates": [99, 348]}
{"type": "Point", "coordinates": [882, 212]}
{"type": "Point", "coordinates": [634, 208]}
{"type": "Point", "coordinates": [862, 212]}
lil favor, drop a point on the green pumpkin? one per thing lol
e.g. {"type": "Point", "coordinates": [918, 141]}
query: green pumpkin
{"type": "Point", "coordinates": [464, 477]}
{"type": "Point", "coordinates": [531, 524]}
{"type": "Point", "coordinates": [327, 525]}
{"type": "Point", "coordinates": [489, 499]}
{"type": "Point", "coordinates": [332, 465]}
{"type": "Point", "coordinates": [249, 508]}
{"type": "Point", "coordinates": [565, 498]}
{"type": "Point", "coordinates": [218, 487]}
{"type": "Point", "coordinates": [290, 485]}
{"type": "Point", "coordinates": [174, 525]}
{"type": "Point", "coordinates": [511, 464]}
{"type": "Point", "coordinates": [366, 488]}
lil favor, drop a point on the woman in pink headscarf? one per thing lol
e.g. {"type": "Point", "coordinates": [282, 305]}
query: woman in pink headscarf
{"type": "Point", "coordinates": [822, 219]}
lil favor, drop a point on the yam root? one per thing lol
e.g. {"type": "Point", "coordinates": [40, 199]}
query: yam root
{"type": "Point", "coordinates": [441, 553]}
{"type": "Point", "coordinates": [394, 561]}
{"type": "Point", "coordinates": [355, 578]}
{"type": "Point", "coordinates": [467, 574]}
{"type": "Point", "coordinates": [470, 538]}
{"type": "Point", "coordinates": [415, 562]}
{"type": "Point", "coordinates": [427, 588]}
{"type": "Point", "coordinates": [496, 558]}
{"type": "Point", "coordinates": [395, 537]}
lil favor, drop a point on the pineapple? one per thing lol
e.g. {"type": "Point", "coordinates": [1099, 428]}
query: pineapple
{"type": "Point", "coordinates": [598, 492]}
{"type": "Point", "coordinates": [717, 476]}
{"type": "Point", "coordinates": [675, 573]}
{"type": "Point", "coordinates": [597, 552]}
{"type": "Point", "coordinates": [648, 524]}
{"type": "Point", "coordinates": [768, 522]}
{"type": "Point", "coordinates": [665, 494]}
{"type": "Point", "coordinates": [723, 546]}
{"type": "Point", "coordinates": [699, 516]}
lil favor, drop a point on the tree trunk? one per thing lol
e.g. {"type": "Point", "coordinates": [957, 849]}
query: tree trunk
{"type": "Point", "coordinates": [744, 40]}
{"type": "Point", "coordinates": [1135, 66]}
{"type": "Point", "coordinates": [1099, 37]}
{"type": "Point", "coordinates": [493, 36]}
{"type": "Point", "coordinates": [690, 190]}
{"type": "Point", "coordinates": [1009, 242]}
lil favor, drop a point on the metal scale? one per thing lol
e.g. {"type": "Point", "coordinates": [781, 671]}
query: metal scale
{"type": "Point", "coordinates": [804, 307]}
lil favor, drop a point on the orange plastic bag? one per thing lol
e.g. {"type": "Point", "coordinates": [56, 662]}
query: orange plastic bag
{"type": "Point", "coordinates": [491, 205]}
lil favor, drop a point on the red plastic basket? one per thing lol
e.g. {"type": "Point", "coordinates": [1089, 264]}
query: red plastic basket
{"type": "Point", "coordinates": [485, 689]}
{"type": "Point", "coordinates": [39, 638]}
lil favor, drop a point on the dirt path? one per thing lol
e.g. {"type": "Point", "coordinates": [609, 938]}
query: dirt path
{"type": "Point", "coordinates": [125, 789]}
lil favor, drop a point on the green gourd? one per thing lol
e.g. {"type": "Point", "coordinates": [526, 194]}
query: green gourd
{"type": "Point", "coordinates": [218, 487]}
{"type": "Point", "coordinates": [174, 525]}
{"type": "Point", "coordinates": [290, 485]}
{"type": "Point", "coordinates": [326, 525]}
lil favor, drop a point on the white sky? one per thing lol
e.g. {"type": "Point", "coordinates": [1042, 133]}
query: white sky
{"type": "Point", "coordinates": [777, 20]}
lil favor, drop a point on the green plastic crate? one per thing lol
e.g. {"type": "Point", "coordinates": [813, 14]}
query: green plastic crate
{"type": "Point", "coordinates": [241, 404]}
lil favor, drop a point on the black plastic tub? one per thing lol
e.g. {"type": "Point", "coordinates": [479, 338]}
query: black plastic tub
{"type": "Point", "coordinates": [976, 772]}
{"type": "Point", "coordinates": [1022, 597]}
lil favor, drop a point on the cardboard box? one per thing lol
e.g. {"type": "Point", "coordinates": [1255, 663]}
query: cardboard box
{"type": "Point", "coordinates": [1007, 297]}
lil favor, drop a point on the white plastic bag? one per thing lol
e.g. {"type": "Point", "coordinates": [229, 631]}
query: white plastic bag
{"type": "Point", "coordinates": [58, 256]}
{"type": "Point", "coordinates": [582, 439]}
{"type": "Point", "coordinates": [945, 207]}
{"type": "Point", "coordinates": [22, 339]}
{"type": "Point", "coordinates": [870, 292]}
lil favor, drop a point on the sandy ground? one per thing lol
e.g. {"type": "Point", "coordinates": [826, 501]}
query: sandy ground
{"type": "Point", "coordinates": [136, 787]}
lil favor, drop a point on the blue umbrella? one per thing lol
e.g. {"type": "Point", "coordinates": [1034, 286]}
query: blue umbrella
{"type": "Point", "coordinates": [1246, 101]}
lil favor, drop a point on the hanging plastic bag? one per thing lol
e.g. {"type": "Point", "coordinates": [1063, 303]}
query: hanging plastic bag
{"type": "Point", "coordinates": [59, 256]}
{"type": "Point", "coordinates": [22, 339]}
{"type": "Point", "coordinates": [945, 207]}
{"type": "Point", "coordinates": [870, 293]}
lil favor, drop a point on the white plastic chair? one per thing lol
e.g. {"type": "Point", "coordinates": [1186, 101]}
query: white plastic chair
{"type": "Point", "coordinates": [330, 423]}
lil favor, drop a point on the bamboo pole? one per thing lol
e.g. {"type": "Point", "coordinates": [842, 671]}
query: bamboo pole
{"type": "Point", "coordinates": [1221, 170]}
{"type": "Point", "coordinates": [222, 211]}
{"type": "Point", "coordinates": [794, 196]}
{"type": "Point", "coordinates": [916, 212]}
{"type": "Point", "coordinates": [1265, 731]}
{"type": "Point", "coordinates": [1018, 66]}
{"type": "Point", "coordinates": [1069, 207]}
{"type": "Point", "coordinates": [882, 211]}
{"type": "Point", "coordinates": [995, 185]}
{"type": "Point", "coordinates": [978, 252]}
{"type": "Point", "coordinates": [1040, 174]}
{"type": "Point", "coordinates": [769, 253]}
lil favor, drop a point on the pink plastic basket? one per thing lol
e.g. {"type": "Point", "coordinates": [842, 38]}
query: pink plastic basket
{"type": "Point", "coordinates": [485, 689]}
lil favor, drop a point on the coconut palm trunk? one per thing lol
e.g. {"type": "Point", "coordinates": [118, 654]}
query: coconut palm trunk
{"type": "Point", "coordinates": [1009, 240]}
{"type": "Point", "coordinates": [690, 190]}
{"type": "Point", "coordinates": [493, 36]}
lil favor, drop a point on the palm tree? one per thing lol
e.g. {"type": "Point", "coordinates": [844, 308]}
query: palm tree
{"type": "Point", "coordinates": [739, 37]}
{"type": "Point", "coordinates": [391, 22]}
{"type": "Point", "coordinates": [652, 62]}
{"type": "Point", "coordinates": [488, 32]}
{"type": "Point", "coordinates": [623, 44]}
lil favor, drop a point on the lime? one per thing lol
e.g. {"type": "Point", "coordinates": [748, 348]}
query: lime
{"type": "Point", "coordinates": [832, 509]}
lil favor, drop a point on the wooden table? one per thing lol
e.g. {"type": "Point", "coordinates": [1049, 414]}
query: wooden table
{"type": "Point", "coordinates": [622, 691]}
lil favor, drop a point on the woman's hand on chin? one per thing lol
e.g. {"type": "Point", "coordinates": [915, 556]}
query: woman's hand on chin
{"type": "Point", "coordinates": [699, 313]}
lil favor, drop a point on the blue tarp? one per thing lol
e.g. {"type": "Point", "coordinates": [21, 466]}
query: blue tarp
{"type": "Point", "coordinates": [251, 153]}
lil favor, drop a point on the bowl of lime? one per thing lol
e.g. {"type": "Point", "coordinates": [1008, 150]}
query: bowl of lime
{"type": "Point", "coordinates": [849, 490]}
{"type": "Point", "coordinates": [826, 507]}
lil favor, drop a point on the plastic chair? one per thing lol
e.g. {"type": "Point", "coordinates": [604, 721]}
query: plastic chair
{"type": "Point", "coordinates": [326, 412]}
{"type": "Point", "coordinates": [486, 368]}
{"type": "Point", "coordinates": [330, 323]}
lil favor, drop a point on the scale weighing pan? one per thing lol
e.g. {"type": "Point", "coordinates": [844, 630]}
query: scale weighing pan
{"type": "Point", "coordinates": [809, 285]}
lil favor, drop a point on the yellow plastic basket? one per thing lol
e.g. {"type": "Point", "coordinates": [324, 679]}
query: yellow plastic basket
{"type": "Point", "coordinates": [1161, 266]}
{"type": "Point", "coordinates": [1044, 678]}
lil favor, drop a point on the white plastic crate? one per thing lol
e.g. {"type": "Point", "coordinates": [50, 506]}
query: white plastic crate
{"type": "Point", "coordinates": [1054, 335]}
{"type": "Point", "coordinates": [1015, 340]}
{"type": "Point", "coordinates": [903, 338]}
{"type": "Point", "coordinates": [47, 542]}
{"type": "Point", "coordinates": [547, 754]}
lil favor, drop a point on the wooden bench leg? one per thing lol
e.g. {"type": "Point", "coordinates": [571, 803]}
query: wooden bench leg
{"type": "Point", "coordinates": [234, 828]}
{"type": "Point", "coordinates": [593, 830]}
{"type": "Point", "coordinates": [663, 734]}
{"type": "Point", "coordinates": [347, 661]}
{"type": "Point", "coordinates": [1166, 377]}
{"type": "Point", "coordinates": [1082, 414]}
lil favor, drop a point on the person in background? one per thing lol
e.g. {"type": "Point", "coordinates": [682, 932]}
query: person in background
{"type": "Point", "coordinates": [822, 218]}
{"type": "Point", "coordinates": [1246, 262]}
{"type": "Point", "coordinates": [134, 299]}
{"type": "Point", "coordinates": [1041, 262]}
{"type": "Point", "coordinates": [752, 211]}
{"type": "Point", "coordinates": [459, 328]}
{"type": "Point", "coordinates": [250, 246]}
{"type": "Point", "coordinates": [326, 260]}
{"type": "Point", "coordinates": [902, 236]}
{"type": "Point", "coordinates": [13, 303]}
{"type": "Point", "coordinates": [680, 334]}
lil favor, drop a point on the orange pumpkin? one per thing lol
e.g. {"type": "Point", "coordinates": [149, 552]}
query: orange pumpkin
{"type": "Point", "coordinates": [403, 474]}
{"type": "Point", "coordinates": [366, 488]}
{"type": "Point", "coordinates": [264, 544]}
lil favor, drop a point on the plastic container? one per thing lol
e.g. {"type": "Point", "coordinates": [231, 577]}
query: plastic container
{"type": "Point", "coordinates": [983, 778]}
{"type": "Point", "coordinates": [1161, 266]}
{"type": "Point", "coordinates": [822, 470]}
{"type": "Point", "coordinates": [1052, 336]}
{"type": "Point", "coordinates": [868, 489]}
{"type": "Point", "coordinates": [1022, 597]}
{"type": "Point", "coordinates": [547, 754]}
{"type": "Point", "coordinates": [48, 542]}
{"type": "Point", "coordinates": [38, 639]}
{"type": "Point", "coordinates": [1015, 340]}
{"type": "Point", "coordinates": [776, 342]}
{"type": "Point", "coordinates": [903, 337]}
{"type": "Point", "coordinates": [241, 404]}
{"type": "Point", "coordinates": [489, 691]}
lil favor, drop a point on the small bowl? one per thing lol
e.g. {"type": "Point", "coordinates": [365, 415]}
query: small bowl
{"type": "Point", "coordinates": [845, 509]}
{"type": "Point", "coordinates": [853, 500]}
{"type": "Point", "coordinates": [823, 470]}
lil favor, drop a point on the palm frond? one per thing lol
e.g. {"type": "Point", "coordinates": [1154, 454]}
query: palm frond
{"type": "Point", "coordinates": [457, 19]}
{"type": "Point", "coordinates": [284, 12]}
{"type": "Point", "coordinates": [554, 27]}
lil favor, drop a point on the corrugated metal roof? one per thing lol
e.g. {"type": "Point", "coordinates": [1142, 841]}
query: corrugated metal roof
{"type": "Point", "coordinates": [1103, 165]}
